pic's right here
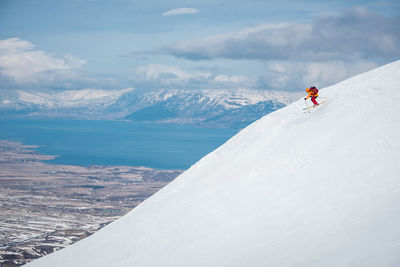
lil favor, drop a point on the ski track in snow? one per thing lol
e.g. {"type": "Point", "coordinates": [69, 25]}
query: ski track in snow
{"type": "Point", "coordinates": [292, 189]}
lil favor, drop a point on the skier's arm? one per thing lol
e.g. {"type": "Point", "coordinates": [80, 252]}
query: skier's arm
{"type": "Point", "coordinates": [309, 94]}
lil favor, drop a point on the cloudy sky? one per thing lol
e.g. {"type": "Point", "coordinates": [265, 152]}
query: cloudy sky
{"type": "Point", "coordinates": [193, 44]}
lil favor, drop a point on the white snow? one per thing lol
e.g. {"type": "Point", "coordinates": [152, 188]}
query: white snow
{"type": "Point", "coordinates": [38, 99]}
{"type": "Point", "coordinates": [292, 189]}
{"type": "Point", "coordinates": [241, 97]}
{"type": "Point", "coordinates": [89, 94]}
{"type": "Point", "coordinates": [229, 98]}
{"type": "Point", "coordinates": [72, 97]}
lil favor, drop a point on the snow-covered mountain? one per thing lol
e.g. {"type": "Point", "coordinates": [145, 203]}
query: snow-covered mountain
{"type": "Point", "coordinates": [212, 107]}
{"type": "Point", "coordinates": [74, 103]}
{"type": "Point", "coordinates": [292, 189]}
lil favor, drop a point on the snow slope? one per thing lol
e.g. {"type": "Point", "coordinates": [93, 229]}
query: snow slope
{"type": "Point", "coordinates": [292, 189]}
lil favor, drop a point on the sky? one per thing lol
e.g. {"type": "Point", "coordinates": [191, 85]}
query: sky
{"type": "Point", "coordinates": [48, 45]}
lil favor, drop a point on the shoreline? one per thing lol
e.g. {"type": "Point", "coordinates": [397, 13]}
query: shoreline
{"type": "Point", "coordinates": [112, 143]}
{"type": "Point", "coordinates": [46, 207]}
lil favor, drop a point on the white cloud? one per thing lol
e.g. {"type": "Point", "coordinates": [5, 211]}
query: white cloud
{"type": "Point", "coordinates": [331, 48]}
{"type": "Point", "coordinates": [74, 62]}
{"type": "Point", "coordinates": [23, 64]}
{"type": "Point", "coordinates": [166, 72]}
{"type": "Point", "coordinates": [14, 45]}
{"type": "Point", "coordinates": [357, 34]}
{"type": "Point", "coordinates": [262, 42]}
{"type": "Point", "coordinates": [156, 75]}
{"type": "Point", "coordinates": [230, 79]}
{"type": "Point", "coordinates": [232, 82]}
{"type": "Point", "coordinates": [164, 76]}
{"type": "Point", "coordinates": [296, 75]}
{"type": "Point", "coordinates": [180, 11]}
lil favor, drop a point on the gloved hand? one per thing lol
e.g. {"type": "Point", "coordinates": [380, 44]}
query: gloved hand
{"type": "Point", "coordinates": [305, 98]}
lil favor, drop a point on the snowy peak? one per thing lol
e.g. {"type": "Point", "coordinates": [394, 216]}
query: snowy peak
{"type": "Point", "coordinates": [89, 94]}
{"type": "Point", "coordinates": [72, 97]}
{"type": "Point", "coordinates": [292, 189]}
{"type": "Point", "coordinates": [211, 107]}
{"type": "Point", "coordinates": [39, 99]}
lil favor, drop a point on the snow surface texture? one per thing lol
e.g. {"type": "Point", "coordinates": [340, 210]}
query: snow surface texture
{"type": "Point", "coordinates": [292, 189]}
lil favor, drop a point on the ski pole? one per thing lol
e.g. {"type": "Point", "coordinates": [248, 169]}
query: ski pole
{"type": "Point", "coordinates": [308, 109]}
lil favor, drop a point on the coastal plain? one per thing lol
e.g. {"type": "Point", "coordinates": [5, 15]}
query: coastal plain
{"type": "Point", "coordinates": [45, 207]}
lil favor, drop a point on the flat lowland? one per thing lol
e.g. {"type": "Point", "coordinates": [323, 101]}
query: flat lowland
{"type": "Point", "coordinates": [45, 207]}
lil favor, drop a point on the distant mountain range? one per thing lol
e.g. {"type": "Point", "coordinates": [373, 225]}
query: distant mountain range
{"type": "Point", "coordinates": [216, 108]}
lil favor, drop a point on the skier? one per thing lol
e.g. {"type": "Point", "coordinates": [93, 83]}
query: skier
{"type": "Point", "coordinates": [313, 93]}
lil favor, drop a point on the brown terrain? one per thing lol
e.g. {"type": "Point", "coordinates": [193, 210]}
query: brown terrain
{"type": "Point", "coordinates": [46, 207]}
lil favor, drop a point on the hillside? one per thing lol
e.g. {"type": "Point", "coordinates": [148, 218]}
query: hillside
{"type": "Point", "coordinates": [292, 189]}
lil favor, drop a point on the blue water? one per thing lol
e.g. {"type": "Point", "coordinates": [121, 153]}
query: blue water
{"type": "Point", "coordinates": [84, 143]}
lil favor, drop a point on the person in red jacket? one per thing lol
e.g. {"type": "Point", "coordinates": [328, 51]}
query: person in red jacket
{"type": "Point", "coordinates": [313, 93]}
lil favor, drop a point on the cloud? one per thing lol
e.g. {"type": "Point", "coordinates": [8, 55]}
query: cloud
{"type": "Point", "coordinates": [154, 76]}
{"type": "Point", "coordinates": [14, 45]}
{"type": "Point", "coordinates": [262, 42]}
{"type": "Point", "coordinates": [331, 48]}
{"type": "Point", "coordinates": [296, 75]}
{"type": "Point", "coordinates": [278, 75]}
{"type": "Point", "coordinates": [231, 79]}
{"type": "Point", "coordinates": [180, 11]}
{"type": "Point", "coordinates": [22, 64]}
{"type": "Point", "coordinates": [167, 74]}
{"type": "Point", "coordinates": [356, 34]}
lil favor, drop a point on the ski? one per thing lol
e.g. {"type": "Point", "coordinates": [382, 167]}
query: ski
{"type": "Point", "coordinates": [311, 107]}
